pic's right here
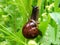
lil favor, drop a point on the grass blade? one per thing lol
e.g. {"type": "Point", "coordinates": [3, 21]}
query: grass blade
{"type": "Point", "coordinates": [12, 35]}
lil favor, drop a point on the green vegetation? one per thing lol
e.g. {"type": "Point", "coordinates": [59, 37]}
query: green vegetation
{"type": "Point", "coordinates": [15, 13]}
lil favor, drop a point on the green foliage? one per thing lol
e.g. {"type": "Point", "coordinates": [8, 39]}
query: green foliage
{"type": "Point", "coordinates": [15, 13]}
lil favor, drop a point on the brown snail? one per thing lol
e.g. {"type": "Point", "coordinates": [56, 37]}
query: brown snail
{"type": "Point", "coordinates": [30, 29]}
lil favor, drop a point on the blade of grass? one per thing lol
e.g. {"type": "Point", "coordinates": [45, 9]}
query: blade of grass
{"type": "Point", "coordinates": [56, 3]}
{"type": "Point", "coordinates": [54, 25]}
{"type": "Point", "coordinates": [12, 35]}
{"type": "Point", "coordinates": [21, 3]}
{"type": "Point", "coordinates": [41, 8]}
{"type": "Point", "coordinates": [29, 6]}
{"type": "Point", "coordinates": [39, 3]}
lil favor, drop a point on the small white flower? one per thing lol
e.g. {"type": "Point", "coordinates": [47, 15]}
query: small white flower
{"type": "Point", "coordinates": [1, 6]}
{"type": "Point", "coordinates": [4, 16]}
{"type": "Point", "coordinates": [47, 6]}
{"type": "Point", "coordinates": [32, 42]}
{"type": "Point", "coordinates": [52, 5]}
{"type": "Point", "coordinates": [44, 14]}
{"type": "Point", "coordinates": [39, 19]}
{"type": "Point", "coordinates": [13, 0]}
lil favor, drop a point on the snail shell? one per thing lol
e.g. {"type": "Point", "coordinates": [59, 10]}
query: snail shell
{"type": "Point", "coordinates": [30, 30]}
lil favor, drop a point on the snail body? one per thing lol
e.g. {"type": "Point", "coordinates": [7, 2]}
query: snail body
{"type": "Point", "coordinates": [30, 29]}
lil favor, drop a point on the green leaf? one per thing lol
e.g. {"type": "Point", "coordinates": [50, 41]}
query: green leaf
{"type": "Point", "coordinates": [55, 21]}
{"type": "Point", "coordinates": [56, 17]}
{"type": "Point", "coordinates": [44, 24]}
{"type": "Point", "coordinates": [49, 37]}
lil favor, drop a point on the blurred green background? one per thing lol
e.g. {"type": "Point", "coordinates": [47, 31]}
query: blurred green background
{"type": "Point", "coordinates": [15, 13]}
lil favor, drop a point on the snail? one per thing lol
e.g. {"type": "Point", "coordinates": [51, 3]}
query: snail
{"type": "Point", "coordinates": [30, 30]}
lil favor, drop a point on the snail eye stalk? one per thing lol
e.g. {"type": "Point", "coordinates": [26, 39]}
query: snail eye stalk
{"type": "Point", "coordinates": [34, 14]}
